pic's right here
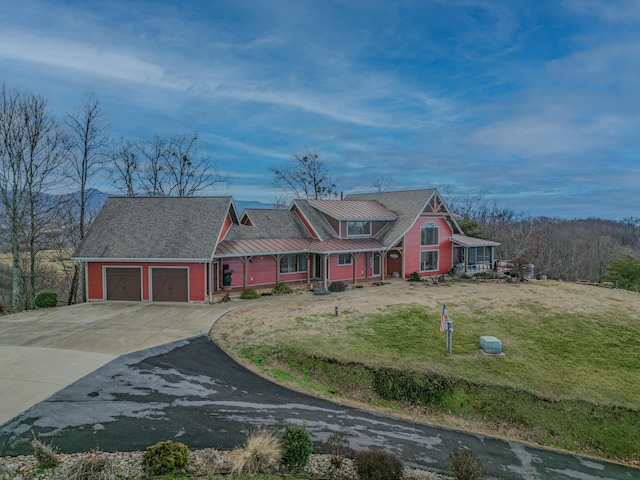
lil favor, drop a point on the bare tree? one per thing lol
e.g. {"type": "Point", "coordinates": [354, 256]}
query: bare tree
{"type": "Point", "coordinates": [125, 163]}
{"type": "Point", "coordinates": [382, 184]}
{"type": "Point", "coordinates": [170, 166]}
{"type": "Point", "coordinates": [305, 176]}
{"type": "Point", "coordinates": [31, 153]}
{"type": "Point", "coordinates": [88, 149]}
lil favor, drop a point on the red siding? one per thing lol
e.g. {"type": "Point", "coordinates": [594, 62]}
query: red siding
{"type": "Point", "coordinates": [306, 224]}
{"type": "Point", "coordinates": [197, 271]}
{"type": "Point", "coordinates": [225, 227]}
{"type": "Point", "coordinates": [345, 272]}
{"type": "Point", "coordinates": [412, 247]}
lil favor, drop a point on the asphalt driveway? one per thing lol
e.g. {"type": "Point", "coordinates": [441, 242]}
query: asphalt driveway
{"type": "Point", "coordinates": [45, 350]}
{"type": "Point", "coordinates": [191, 391]}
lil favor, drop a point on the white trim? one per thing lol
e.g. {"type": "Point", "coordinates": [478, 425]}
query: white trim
{"type": "Point", "coordinates": [146, 260]}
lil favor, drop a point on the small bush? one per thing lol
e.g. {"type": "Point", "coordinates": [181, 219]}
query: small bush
{"type": "Point", "coordinates": [337, 447]}
{"type": "Point", "coordinates": [96, 466]}
{"type": "Point", "coordinates": [414, 277]}
{"type": "Point", "coordinates": [261, 453]}
{"type": "Point", "coordinates": [46, 299]}
{"type": "Point", "coordinates": [337, 286]}
{"type": "Point", "coordinates": [46, 455]}
{"type": "Point", "coordinates": [249, 294]}
{"type": "Point", "coordinates": [282, 289]}
{"type": "Point", "coordinates": [296, 446]}
{"type": "Point", "coordinates": [465, 464]}
{"type": "Point", "coordinates": [320, 291]}
{"type": "Point", "coordinates": [378, 465]}
{"type": "Point", "coordinates": [165, 458]}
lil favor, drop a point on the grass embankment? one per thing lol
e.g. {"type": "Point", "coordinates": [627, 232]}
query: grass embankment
{"type": "Point", "coordinates": [570, 376]}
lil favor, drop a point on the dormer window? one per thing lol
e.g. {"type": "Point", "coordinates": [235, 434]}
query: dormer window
{"type": "Point", "coordinates": [429, 235]}
{"type": "Point", "coordinates": [358, 229]}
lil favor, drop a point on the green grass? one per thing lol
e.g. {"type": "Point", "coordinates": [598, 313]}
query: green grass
{"type": "Point", "coordinates": [568, 378]}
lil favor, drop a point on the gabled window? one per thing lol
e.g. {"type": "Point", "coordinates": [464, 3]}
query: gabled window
{"type": "Point", "coordinates": [293, 264]}
{"type": "Point", "coordinates": [358, 229]}
{"type": "Point", "coordinates": [429, 261]}
{"type": "Point", "coordinates": [344, 259]}
{"type": "Point", "coordinates": [429, 235]}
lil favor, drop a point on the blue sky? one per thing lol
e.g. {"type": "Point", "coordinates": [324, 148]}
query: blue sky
{"type": "Point", "coordinates": [533, 104]}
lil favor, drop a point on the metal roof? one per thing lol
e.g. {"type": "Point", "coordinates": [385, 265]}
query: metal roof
{"type": "Point", "coordinates": [465, 241]}
{"type": "Point", "coordinates": [233, 248]}
{"type": "Point", "coordinates": [364, 210]}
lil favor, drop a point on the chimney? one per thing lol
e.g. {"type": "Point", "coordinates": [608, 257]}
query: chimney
{"type": "Point", "coordinates": [341, 195]}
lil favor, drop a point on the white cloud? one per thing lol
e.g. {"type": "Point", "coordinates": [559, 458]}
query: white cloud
{"type": "Point", "coordinates": [84, 58]}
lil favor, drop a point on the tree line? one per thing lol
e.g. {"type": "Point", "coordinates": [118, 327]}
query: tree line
{"type": "Point", "coordinates": [591, 249]}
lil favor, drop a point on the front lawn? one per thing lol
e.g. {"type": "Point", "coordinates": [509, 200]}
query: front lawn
{"type": "Point", "coordinates": [570, 376]}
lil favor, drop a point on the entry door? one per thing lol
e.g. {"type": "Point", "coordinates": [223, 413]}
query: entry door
{"type": "Point", "coordinates": [376, 264]}
{"type": "Point", "coordinates": [170, 284]}
{"type": "Point", "coordinates": [123, 283]}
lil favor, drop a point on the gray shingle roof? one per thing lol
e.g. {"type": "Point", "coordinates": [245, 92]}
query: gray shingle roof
{"type": "Point", "coordinates": [269, 223]}
{"type": "Point", "coordinates": [156, 228]}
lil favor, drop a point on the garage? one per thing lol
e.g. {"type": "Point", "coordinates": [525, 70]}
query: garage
{"type": "Point", "coordinates": [170, 284]}
{"type": "Point", "coordinates": [123, 283]}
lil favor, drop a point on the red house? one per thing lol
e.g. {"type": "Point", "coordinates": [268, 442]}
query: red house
{"type": "Point", "coordinates": [189, 248]}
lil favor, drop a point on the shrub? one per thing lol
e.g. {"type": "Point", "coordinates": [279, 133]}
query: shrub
{"type": "Point", "coordinates": [465, 464]}
{"type": "Point", "coordinates": [46, 455]}
{"type": "Point", "coordinates": [337, 447]}
{"type": "Point", "coordinates": [415, 387]}
{"type": "Point", "coordinates": [96, 466]}
{"type": "Point", "coordinates": [282, 289]}
{"type": "Point", "coordinates": [337, 286]}
{"type": "Point", "coordinates": [165, 457]}
{"type": "Point", "coordinates": [249, 294]}
{"type": "Point", "coordinates": [260, 454]}
{"type": "Point", "coordinates": [296, 446]}
{"type": "Point", "coordinates": [378, 465]}
{"type": "Point", "coordinates": [414, 277]}
{"type": "Point", "coordinates": [46, 299]}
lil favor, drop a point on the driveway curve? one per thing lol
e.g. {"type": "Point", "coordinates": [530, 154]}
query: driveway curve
{"type": "Point", "coordinates": [42, 351]}
{"type": "Point", "coordinates": [191, 391]}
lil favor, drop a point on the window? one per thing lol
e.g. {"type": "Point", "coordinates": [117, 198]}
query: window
{"type": "Point", "coordinates": [429, 235]}
{"type": "Point", "coordinates": [358, 229]}
{"type": "Point", "coordinates": [429, 261]}
{"type": "Point", "coordinates": [344, 259]}
{"type": "Point", "coordinates": [293, 264]}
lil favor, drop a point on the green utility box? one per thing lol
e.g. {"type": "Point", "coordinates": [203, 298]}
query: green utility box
{"type": "Point", "coordinates": [491, 345]}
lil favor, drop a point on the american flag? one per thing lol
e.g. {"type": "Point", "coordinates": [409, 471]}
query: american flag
{"type": "Point", "coordinates": [444, 317]}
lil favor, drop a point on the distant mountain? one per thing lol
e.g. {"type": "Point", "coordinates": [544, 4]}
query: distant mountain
{"type": "Point", "coordinates": [241, 205]}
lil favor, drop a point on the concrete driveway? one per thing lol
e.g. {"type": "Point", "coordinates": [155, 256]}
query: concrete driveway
{"type": "Point", "coordinates": [45, 350]}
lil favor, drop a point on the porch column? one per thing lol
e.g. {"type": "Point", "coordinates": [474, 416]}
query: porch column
{"type": "Point", "coordinates": [307, 256]}
{"type": "Point", "coordinates": [466, 259]}
{"type": "Point", "coordinates": [245, 270]}
{"type": "Point", "coordinates": [382, 265]}
{"type": "Point", "coordinates": [277, 257]}
{"type": "Point", "coordinates": [354, 259]}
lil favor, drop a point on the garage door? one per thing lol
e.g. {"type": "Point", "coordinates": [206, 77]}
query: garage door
{"type": "Point", "coordinates": [169, 284]}
{"type": "Point", "coordinates": [123, 283]}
